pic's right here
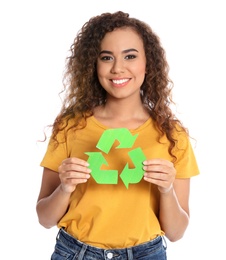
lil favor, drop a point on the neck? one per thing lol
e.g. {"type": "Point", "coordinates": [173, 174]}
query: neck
{"type": "Point", "coordinates": [122, 113]}
{"type": "Point", "coordinates": [122, 110]}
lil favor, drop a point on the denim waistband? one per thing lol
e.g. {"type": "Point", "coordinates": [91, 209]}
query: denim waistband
{"type": "Point", "coordinates": [129, 253]}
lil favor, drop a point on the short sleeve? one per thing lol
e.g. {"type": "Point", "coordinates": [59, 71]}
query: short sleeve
{"type": "Point", "coordinates": [186, 164]}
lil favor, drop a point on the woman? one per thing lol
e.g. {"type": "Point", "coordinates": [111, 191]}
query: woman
{"type": "Point", "coordinates": [117, 196]}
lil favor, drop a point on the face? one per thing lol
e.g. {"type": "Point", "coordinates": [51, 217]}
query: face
{"type": "Point", "coordinates": [121, 63]}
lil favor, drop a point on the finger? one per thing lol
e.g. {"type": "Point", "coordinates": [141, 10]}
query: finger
{"type": "Point", "coordinates": [158, 161]}
{"type": "Point", "coordinates": [78, 161]}
{"type": "Point", "coordinates": [75, 160]}
{"type": "Point", "coordinates": [75, 181]}
{"type": "Point", "coordinates": [158, 168]}
{"type": "Point", "coordinates": [71, 180]}
{"type": "Point", "coordinates": [163, 185]}
{"type": "Point", "coordinates": [76, 175]}
{"type": "Point", "coordinates": [74, 168]}
{"type": "Point", "coordinates": [157, 176]}
{"type": "Point", "coordinates": [74, 164]}
{"type": "Point", "coordinates": [158, 182]}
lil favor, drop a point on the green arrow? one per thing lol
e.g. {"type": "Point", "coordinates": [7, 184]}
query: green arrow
{"type": "Point", "coordinates": [133, 175]}
{"type": "Point", "coordinates": [96, 160]}
{"type": "Point", "coordinates": [109, 136]}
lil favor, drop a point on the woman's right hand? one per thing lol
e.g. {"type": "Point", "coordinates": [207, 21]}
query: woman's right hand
{"type": "Point", "coordinates": [72, 172]}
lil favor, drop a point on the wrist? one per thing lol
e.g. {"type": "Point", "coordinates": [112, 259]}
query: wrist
{"type": "Point", "coordinates": [165, 190]}
{"type": "Point", "coordinates": [67, 190]}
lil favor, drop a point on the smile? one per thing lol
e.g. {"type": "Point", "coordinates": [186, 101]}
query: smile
{"type": "Point", "coordinates": [120, 81]}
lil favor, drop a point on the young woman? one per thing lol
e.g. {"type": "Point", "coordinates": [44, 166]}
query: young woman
{"type": "Point", "coordinates": [116, 173]}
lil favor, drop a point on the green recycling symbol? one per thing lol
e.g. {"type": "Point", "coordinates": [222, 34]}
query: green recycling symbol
{"type": "Point", "coordinates": [96, 159]}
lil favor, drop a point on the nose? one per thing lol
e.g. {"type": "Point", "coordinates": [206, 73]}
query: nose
{"type": "Point", "coordinates": [117, 66]}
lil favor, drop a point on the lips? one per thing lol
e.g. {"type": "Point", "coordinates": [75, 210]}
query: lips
{"type": "Point", "coordinates": [119, 82]}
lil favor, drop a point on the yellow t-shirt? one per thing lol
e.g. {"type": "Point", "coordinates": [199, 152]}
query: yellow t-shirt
{"type": "Point", "coordinates": [111, 215]}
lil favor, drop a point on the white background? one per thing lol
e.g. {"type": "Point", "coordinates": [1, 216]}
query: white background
{"type": "Point", "coordinates": [35, 37]}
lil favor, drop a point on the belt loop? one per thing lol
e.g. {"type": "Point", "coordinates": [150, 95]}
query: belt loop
{"type": "Point", "coordinates": [82, 252]}
{"type": "Point", "coordinates": [164, 242]}
{"type": "Point", "coordinates": [58, 234]}
{"type": "Point", "coordinates": [130, 253]}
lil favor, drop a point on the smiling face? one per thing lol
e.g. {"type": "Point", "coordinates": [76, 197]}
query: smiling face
{"type": "Point", "coordinates": [121, 63]}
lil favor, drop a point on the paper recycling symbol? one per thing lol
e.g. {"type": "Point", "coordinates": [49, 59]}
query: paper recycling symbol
{"type": "Point", "coordinates": [96, 159]}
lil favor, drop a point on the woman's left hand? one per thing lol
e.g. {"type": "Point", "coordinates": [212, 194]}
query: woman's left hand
{"type": "Point", "coordinates": [160, 172]}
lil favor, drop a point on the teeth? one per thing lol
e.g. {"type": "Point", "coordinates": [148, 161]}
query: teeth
{"type": "Point", "coordinates": [120, 81]}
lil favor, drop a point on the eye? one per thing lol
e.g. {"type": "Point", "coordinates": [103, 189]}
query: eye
{"type": "Point", "coordinates": [130, 57]}
{"type": "Point", "coordinates": [106, 58]}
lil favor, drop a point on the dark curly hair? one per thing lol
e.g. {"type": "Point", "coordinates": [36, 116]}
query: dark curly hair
{"type": "Point", "coordinates": [83, 91]}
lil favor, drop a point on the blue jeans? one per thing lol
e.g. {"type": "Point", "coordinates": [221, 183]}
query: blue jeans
{"type": "Point", "coordinates": [67, 247]}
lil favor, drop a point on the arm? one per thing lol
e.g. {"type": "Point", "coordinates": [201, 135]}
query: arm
{"type": "Point", "coordinates": [174, 210]}
{"type": "Point", "coordinates": [56, 189]}
{"type": "Point", "coordinates": [174, 197]}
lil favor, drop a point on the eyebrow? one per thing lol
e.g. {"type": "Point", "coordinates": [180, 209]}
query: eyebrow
{"type": "Point", "coordinates": [125, 51]}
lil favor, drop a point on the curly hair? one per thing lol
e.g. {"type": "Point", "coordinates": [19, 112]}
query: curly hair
{"type": "Point", "coordinates": [83, 91]}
